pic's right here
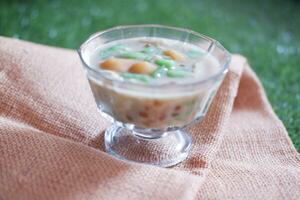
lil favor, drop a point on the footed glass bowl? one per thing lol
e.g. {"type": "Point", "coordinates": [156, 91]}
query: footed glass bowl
{"type": "Point", "coordinates": [149, 121]}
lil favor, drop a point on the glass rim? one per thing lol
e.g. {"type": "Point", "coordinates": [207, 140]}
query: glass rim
{"type": "Point", "coordinates": [214, 43]}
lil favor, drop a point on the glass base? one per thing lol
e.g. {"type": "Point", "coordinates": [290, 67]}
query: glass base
{"type": "Point", "coordinates": [165, 150]}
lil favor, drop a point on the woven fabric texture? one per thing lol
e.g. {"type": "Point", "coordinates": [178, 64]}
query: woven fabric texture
{"type": "Point", "coordinates": [51, 138]}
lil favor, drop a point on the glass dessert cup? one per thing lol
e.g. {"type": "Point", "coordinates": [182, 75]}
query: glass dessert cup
{"type": "Point", "coordinates": [148, 121]}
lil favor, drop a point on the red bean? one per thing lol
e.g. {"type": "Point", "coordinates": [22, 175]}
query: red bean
{"type": "Point", "coordinates": [175, 114]}
{"type": "Point", "coordinates": [162, 117]}
{"type": "Point", "coordinates": [147, 108]}
{"type": "Point", "coordinates": [143, 114]}
{"type": "Point", "coordinates": [129, 118]}
{"type": "Point", "coordinates": [177, 108]}
{"type": "Point", "coordinates": [157, 103]}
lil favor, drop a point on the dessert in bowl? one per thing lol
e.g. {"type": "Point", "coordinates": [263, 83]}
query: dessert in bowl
{"type": "Point", "coordinates": [152, 81]}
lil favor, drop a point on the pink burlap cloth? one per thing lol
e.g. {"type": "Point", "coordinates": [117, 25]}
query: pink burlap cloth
{"type": "Point", "coordinates": [51, 139]}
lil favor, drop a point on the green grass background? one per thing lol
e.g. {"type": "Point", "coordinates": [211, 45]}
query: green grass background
{"type": "Point", "coordinates": [267, 32]}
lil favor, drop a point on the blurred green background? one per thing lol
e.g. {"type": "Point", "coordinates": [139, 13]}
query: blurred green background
{"type": "Point", "coordinates": [267, 32]}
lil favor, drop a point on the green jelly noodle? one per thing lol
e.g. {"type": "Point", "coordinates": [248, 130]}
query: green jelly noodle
{"type": "Point", "coordinates": [178, 73]}
{"type": "Point", "coordinates": [165, 67]}
{"type": "Point", "coordinates": [165, 62]}
{"type": "Point", "coordinates": [150, 50]}
{"type": "Point", "coordinates": [138, 77]}
{"type": "Point", "coordinates": [159, 72]}
{"type": "Point", "coordinates": [135, 55]}
{"type": "Point", "coordinates": [113, 50]}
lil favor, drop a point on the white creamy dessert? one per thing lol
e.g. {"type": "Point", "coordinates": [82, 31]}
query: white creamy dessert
{"type": "Point", "coordinates": [153, 64]}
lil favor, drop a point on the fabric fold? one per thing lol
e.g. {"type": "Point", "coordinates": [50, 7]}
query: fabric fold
{"type": "Point", "coordinates": [51, 138]}
{"type": "Point", "coordinates": [256, 159]}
